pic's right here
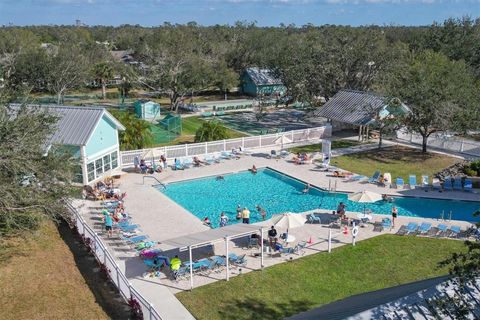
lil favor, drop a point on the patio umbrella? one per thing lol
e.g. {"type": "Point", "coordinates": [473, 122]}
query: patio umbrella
{"type": "Point", "coordinates": [365, 197]}
{"type": "Point", "coordinates": [283, 139]}
{"type": "Point", "coordinates": [288, 220]}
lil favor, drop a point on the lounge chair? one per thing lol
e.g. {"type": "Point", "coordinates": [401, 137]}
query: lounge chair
{"type": "Point", "coordinates": [227, 155]}
{"type": "Point", "coordinates": [402, 231]}
{"type": "Point", "coordinates": [468, 185]}
{"type": "Point", "coordinates": [312, 218]}
{"type": "Point", "coordinates": [457, 184]}
{"type": "Point", "coordinates": [209, 159]}
{"type": "Point", "coordinates": [454, 232]}
{"type": "Point", "coordinates": [253, 243]}
{"type": "Point", "coordinates": [386, 223]}
{"type": "Point", "coordinates": [284, 153]}
{"type": "Point", "coordinates": [178, 165]}
{"type": "Point", "coordinates": [180, 273]}
{"type": "Point", "coordinates": [187, 162]}
{"type": "Point", "coordinates": [399, 183]}
{"type": "Point", "coordinates": [425, 181]}
{"type": "Point", "coordinates": [412, 227]}
{"type": "Point", "coordinates": [274, 154]}
{"type": "Point", "coordinates": [374, 177]}
{"type": "Point", "coordinates": [424, 228]}
{"type": "Point", "coordinates": [443, 230]}
{"type": "Point", "coordinates": [436, 185]}
{"type": "Point", "coordinates": [136, 239]}
{"type": "Point", "coordinates": [447, 184]}
{"type": "Point", "coordinates": [355, 178]}
{"type": "Point", "coordinates": [237, 260]}
{"type": "Point", "coordinates": [412, 181]}
{"type": "Point", "coordinates": [127, 228]}
{"type": "Point", "coordinates": [220, 261]}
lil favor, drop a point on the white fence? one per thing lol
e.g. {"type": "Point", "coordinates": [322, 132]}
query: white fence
{"type": "Point", "coordinates": [196, 149]}
{"type": "Point", "coordinates": [444, 142]}
{"type": "Point", "coordinates": [116, 276]}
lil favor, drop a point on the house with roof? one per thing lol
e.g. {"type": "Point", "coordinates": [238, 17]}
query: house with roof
{"type": "Point", "coordinates": [91, 135]}
{"type": "Point", "coordinates": [256, 81]}
{"type": "Point", "coordinates": [147, 109]}
{"type": "Point", "coordinates": [352, 109]}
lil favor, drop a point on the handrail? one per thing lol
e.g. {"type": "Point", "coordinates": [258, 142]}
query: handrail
{"type": "Point", "coordinates": [159, 182]}
{"type": "Point", "coordinates": [132, 291]}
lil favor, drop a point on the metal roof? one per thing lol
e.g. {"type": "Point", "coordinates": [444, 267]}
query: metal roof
{"type": "Point", "coordinates": [350, 106]}
{"type": "Point", "coordinates": [211, 236]}
{"type": "Point", "coordinates": [262, 76]}
{"type": "Point", "coordinates": [75, 124]}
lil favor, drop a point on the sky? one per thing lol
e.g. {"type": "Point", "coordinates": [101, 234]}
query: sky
{"type": "Point", "coordinates": [211, 12]}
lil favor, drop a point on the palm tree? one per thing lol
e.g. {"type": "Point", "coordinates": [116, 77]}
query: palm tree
{"type": "Point", "coordinates": [137, 133]}
{"type": "Point", "coordinates": [211, 131]}
{"type": "Point", "coordinates": [103, 71]}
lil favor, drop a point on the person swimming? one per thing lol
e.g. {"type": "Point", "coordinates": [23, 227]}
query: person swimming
{"type": "Point", "coordinates": [253, 169]}
{"type": "Point", "coordinates": [239, 212]}
{"type": "Point", "coordinates": [306, 189]}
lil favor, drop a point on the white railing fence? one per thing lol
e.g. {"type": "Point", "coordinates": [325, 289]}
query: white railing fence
{"type": "Point", "coordinates": [115, 273]}
{"type": "Point", "coordinates": [197, 149]}
{"type": "Point", "coordinates": [443, 142]}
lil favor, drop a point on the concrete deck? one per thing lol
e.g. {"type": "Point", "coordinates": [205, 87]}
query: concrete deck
{"type": "Point", "coordinates": [163, 219]}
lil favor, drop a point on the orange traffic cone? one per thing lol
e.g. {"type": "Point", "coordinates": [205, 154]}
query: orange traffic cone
{"type": "Point", "coordinates": [345, 230]}
{"type": "Point", "coordinates": [310, 241]}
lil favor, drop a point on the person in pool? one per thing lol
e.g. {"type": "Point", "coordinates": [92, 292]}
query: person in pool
{"type": "Point", "coordinates": [306, 189]}
{"type": "Point", "coordinates": [223, 219]}
{"type": "Point", "coordinates": [253, 169]}
{"type": "Point", "coordinates": [207, 222]}
{"type": "Point", "coordinates": [239, 212]}
{"type": "Point", "coordinates": [262, 212]}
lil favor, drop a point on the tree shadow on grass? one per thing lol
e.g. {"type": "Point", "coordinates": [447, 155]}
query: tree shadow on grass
{"type": "Point", "coordinates": [250, 308]}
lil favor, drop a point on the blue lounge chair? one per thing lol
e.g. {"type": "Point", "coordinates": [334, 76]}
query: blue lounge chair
{"type": "Point", "coordinates": [399, 183]}
{"type": "Point", "coordinates": [443, 230]}
{"type": "Point", "coordinates": [425, 181]}
{"type": "Point", "coordinates": [312, 218]}
{"type": "Point", "coordinates": [447, 184]}
{"type": "Point", "coordinates": [468, 185]}
{"type": "Point", "coordinates": [454, 232]}
{"type": "Point", "coordinates": [178, 165]}
{"type": "Point", "coordinates": [374, 178]}
{"type": "Point", "coordinates": [237, 260]}
{"type": "Point", "coordinates": [457, 184]}
{"type": "Point", "coordinates": [187, 162]}
{"type": "Point", "coordinates": [136, 239]}
{"type": "Point", "coordinates": [386, 223]}
{"type": "Point", "coordinates": [424, 228]}
{"type": "Point", "coordinates": [129, 227]}
{"type": "Point", "coordinates": [412, 181]}
{"type": "Point", "coordinates": [226, 155]}
{"type": "Point", "coordinates": [210, 159]}
{"type": "Point", "coordinates": [220, 261]}
{"type": "Point", "coordinates": [182, 272]}
{"type": "Point", "coordinates": [411, 227]}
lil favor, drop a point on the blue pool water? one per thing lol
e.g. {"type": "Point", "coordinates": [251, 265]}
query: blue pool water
{"type": "Point", "coordinates": [279, 193]}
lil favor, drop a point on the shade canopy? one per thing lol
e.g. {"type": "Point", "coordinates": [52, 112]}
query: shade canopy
{"type": "Point", "coordinates": [288, 220]}
{"type": "Point", "coordinates": [365, 197]}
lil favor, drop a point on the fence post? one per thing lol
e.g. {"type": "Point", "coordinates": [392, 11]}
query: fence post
{"type": "Point", "coordinates": [260, 141]}
{"type": "Point", "coordinates": [224, 145]}
{"type": "Point", "coordinates": [243, 142]}
{"type": "Point", "coordinates": [461, 145]}
{"type": "Point", "coordinates": [150, 310]}
{"type": "Point", "coordinates": [186, 149]}
{"type": "Point", "coordinates": [206, 147]}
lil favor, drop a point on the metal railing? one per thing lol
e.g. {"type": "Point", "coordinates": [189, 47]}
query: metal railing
{"type": "Point", "coordinates": [115, 274]}
{"type": "Point", "coordinates": [197, 149]}
{"type": "Point", "coordinates": [443, 142]}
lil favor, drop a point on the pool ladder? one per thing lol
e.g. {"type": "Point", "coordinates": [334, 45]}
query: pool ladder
{"type": "Point", "coordinates": [159, 182]}
{"type": "Point", "coordinates": [442, 216]}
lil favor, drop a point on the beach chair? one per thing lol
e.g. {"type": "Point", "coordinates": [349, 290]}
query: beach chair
{"type": "Point", "coordinates": [226, 155]}
{"type": "Point", "coordinates": [412, 228]}
{"type": "Point", "coordinates": [274, 154]}
{"type": "Point", "coordinates": [425, 181]}
{"type": "Point", "coordinates": [447, 184]}
{"type": "Point", "coordinates": [312, 218]}
{"type": "Point", "coordinates": [237, 260]}
{"type": "Point", "coordinates": [457, 184]}
{"type": "Point", "coordinates": [399, 183]}
{"type": "Point", "coordinates": [220, 262]}
{"type": "Point", "coordinates": [178, 165]}
{"type": "Point", "coordinates": [134, 240]}
{"type": "Point", "coordinates": [412, 181]}
{"type": "Point", "coordinates": [187, 162]}
{"type": "Point", "coordinates": [402, 231]}
{"type": "Point", "coordinates": [468, 185]}
{"type": "Point", "coordinates": [443, 230]}
{"type": "Point", "coordinates": [436, 185]}
{"type": "Point", "coordinates": [180, 273]}
{"type": "Point", "coordinates": [374, 177]}
{"type": "Point", "coordinates": [355, 178]}
{"type": "Point", "coordinates": [386, 223]}
{"type": "Point", "coordinates": [128, 228]}
{"type": "Point", "coordinates": [284, 153]}
{"type": "Point", "coordinates": [454, 232]}
{"type": "Point", "coordinates": [424, 228]}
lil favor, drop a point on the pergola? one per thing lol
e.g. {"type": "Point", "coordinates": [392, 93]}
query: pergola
{"type": "Point", "coordinates": [209, 237]}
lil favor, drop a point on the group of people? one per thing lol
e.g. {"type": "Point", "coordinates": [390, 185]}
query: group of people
{"type": "Point", "coordinates": [301, 158]}
{"type": "Point", "coordinates": [242, 214]}
{"type": "Point", "coordinates": [102, 190]}
{"type": "Point", "coordinates": [141, 164]}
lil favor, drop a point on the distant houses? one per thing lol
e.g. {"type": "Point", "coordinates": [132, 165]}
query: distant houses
{"type": "Point", "coordinates": [256, 81]}
{"type": "Point", "coordinates": [90, 134]}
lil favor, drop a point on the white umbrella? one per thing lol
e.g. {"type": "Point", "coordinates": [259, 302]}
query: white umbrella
{"type": "Point", "coordinates": [365, 197]}
{"type": "Point", "coordinates": [288, 220]}
{"type": "Point", "coordinates": [283, 139]}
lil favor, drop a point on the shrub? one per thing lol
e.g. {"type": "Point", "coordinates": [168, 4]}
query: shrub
{"type": "Point", "coordinates": [470, 172]}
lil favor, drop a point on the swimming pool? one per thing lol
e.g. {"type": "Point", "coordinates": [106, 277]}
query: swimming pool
{"type": "Point", "coordinates": [277, 193]}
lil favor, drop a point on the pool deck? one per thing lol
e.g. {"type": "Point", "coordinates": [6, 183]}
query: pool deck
{"type": "Point", "coordinates": [163, 219]}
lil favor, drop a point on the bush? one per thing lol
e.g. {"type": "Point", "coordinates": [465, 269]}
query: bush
{"type": "Point", "coordinates": [211, 131]}
{"type": "Point", "coordinates": [475, 165]}
{"type": "Point", "coordinates": [470, 172]}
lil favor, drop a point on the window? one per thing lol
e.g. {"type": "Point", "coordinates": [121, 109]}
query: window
{"type": "Point", "coordinates": [98, 167]}
{"type": "Point", "coordinates": [91, 171]}
{"type": "Point", "coordinates": [106, 163]}
{"type": "Point", "coordinates": [114, 157]}
{"type": "Point", "coordinates": [78, 177]}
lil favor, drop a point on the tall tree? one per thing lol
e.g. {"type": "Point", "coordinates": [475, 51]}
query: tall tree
{"type": "Point", "coordinates": [103, 71]}
{"type": "Point", "coordinates": [438, 91]}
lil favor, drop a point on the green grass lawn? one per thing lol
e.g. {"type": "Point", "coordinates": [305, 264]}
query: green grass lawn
{"type": "Point", "coordinates": [303, 284]}
{"type": "Point", "coordinates": [399, 161]}
{"type": "Point", "coordinates": [336, 144]}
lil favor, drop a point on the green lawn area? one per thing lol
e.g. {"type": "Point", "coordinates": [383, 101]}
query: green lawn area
{"type": "Point", "coordinates": [336, 144]}
{"type": "Point", "coordinates": [399, 161]}
{"type": "Point", "coordinates": [303, 284]}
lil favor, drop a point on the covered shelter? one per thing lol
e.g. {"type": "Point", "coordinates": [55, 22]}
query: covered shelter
{"type": "Point", "coordinates": [352, 109]}
{"type": "Point", "coordinates": [214, 236]}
